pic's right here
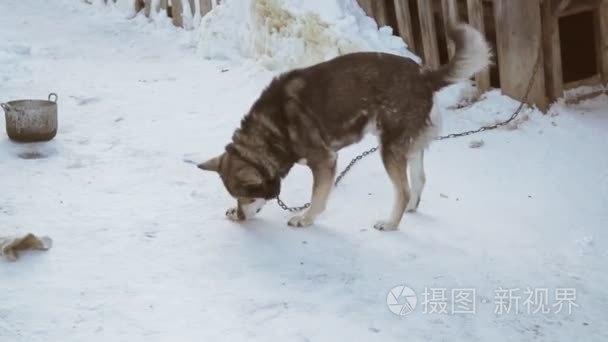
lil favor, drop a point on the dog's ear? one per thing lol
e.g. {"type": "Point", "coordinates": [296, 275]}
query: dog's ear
{"type": "Point", "coordinates": [249, 177]}
{"type": "Point", "coordinates": [212, 164]}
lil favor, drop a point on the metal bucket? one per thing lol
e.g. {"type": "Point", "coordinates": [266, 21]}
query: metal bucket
{"type": "Point", "coordinates": [31, 120]}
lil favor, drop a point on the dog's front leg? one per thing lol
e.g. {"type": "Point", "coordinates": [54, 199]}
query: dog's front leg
{"type": "Point", "coordinates": [323, 174]}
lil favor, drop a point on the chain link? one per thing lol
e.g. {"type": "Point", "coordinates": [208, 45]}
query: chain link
{"type": "Point", "coordinates": [449, 136]}
{"type": "Point", "coordinates": [338, 179]}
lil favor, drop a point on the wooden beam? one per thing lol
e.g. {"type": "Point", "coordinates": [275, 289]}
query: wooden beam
{"type": "Point", "coordinates": [163, 6]}
{"type": "Point", "coordinates": [380, 12]}
{"type": "Point", "coordinates": [404, 23]}
{"type": "Point", "coordinates": [176, 11]}
{"type": "Point", "coordinates": [429, 33]}
{"type": "Point", "coordinates": [558, 6]}
{"type": "Point", "coordinates": [578, 6]}
{"type": "Point", "coordinates": [449, 8]}
{"type": "Point", "coordinates": [476, 19]}
{"type": "Point", "coordinates": [206, 6]}
{"type": "Point", "coordinates": [589, 81]}
{"type": "Point", "coordinates": [139, 5]}
{"type": "Point", "coordinates": [519, 43]}
{"type": "Point", "coordinates": [554, 76]}
{"type": "Point", "coordinates": [147, 7]}
{"type": "Point", "coordinates": [192, 7]}
{"type": "Point", "coordinates": [367, 7]}
{"type": "Point", "coordinates": [602, 39]}
{"type": "Point", "coordinates": [576, 99]}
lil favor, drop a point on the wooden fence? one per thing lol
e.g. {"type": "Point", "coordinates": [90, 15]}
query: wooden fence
{"type": "Point", "coordinates": [174, 8]}
{"type": "Point", "coordinates": [518, 30]}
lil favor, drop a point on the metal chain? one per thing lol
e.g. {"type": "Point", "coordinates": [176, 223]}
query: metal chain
{"type": "Point", "coordinates": [292, 209]}
{"type": "Point", "coordinates": [338, 179]}
{"type": "Point", "coordinates": [449, 136]}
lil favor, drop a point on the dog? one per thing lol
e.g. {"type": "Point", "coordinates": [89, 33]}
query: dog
{"type": "Point", "coordinates": [308, 114]}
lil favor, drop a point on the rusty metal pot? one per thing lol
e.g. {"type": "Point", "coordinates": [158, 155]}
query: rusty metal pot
{"type": "Point", "coordinates": [31, 120]}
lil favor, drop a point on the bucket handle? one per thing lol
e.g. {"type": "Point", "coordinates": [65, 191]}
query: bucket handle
{"type": "Point", "coordinates": [54, 97]}
{"type": "Point", "coordinates": [5, 106]}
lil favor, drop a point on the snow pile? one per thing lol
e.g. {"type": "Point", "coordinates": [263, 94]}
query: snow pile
{"type": "Point", "coordinates": [282, 34]}
{"type": "Point", "coordinates": [122, 6]}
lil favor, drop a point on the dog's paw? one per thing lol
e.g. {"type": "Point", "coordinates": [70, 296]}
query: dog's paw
{"type": "Point", "coordinates": [386, 226]}
{"type": "Point", "coordinates": [300, 221]}
{"type": "Point", "coordinates": [233, 215]}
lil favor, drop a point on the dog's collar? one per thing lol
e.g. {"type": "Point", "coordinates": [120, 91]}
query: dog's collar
{"type": "Point", "coordinates": [266, 175]}
{"type": "Point", "coordinates": [270, 181]}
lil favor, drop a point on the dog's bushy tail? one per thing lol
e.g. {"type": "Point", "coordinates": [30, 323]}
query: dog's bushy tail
{"type": "Point", "coordinates": [472, 54]}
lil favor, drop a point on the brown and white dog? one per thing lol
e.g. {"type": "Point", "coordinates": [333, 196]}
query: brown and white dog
{"type": "Point", "coordinates": [307, 115]}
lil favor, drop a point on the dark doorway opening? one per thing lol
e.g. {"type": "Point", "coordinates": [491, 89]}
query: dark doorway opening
{"type": "Point", "coordinates": [578, 49]}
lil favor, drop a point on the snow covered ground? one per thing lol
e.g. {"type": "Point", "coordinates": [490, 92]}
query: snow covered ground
{"type": "Point", "coordinates": [142, 251]}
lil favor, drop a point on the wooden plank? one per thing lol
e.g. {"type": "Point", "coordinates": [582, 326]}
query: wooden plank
{"type": "Point", "coordinates": [602, 39]}
{"type": "Point", "coordinates": [589, 81]}
{"type": "Point", "coordinates": [404, 22]}
{"type": "Point", "coordinates": [449, 9]}
{"type": "Point", "coordinates": [429, 33]}
{"type": "Point", "coordinates": [176, 11]}
{"type": "Point", "coordinates": [476, 19]}
{"type": "Point", "coordinates": [578, 6]}
{"type": "Point", "coordinates": [206, 6]}
{"type": "Point", "coordinates": [554, 77]}
{"type": "Point", "coordinates": [192, 7]}
{"type": "Point", "coordinates": [366, 5]}
{"type": "Point", "coordinates": [558, 6]}
{"type": "Point", "coordinates": [380, 12]}
{"type": "Point", "coordinates": [147, 7]}
{"type": "Point", "coordinates": [139, 5]}
{"type": "Point", "coordinates": [576, 99]}
{"type": "Point", "coordinates": [162, 6]}
{"type": "Point", "coordinates": [519, 43]}
{"type": "Point", "coordinates": [475, 11]}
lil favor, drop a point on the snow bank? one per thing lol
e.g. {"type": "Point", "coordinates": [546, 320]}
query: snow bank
{"type": "Point", "coordinates": [123, 6]}
{"type": "Point", "coordinates": [282, 34]}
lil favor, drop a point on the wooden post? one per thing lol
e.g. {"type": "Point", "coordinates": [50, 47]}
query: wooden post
{"type": "Point", "coordinates": [176, 11]}
{"type": "Point", "coordinates": [192, 7]}
{"type": "Point", "coordinates": [147, 7]}
{"type": "Point", "coordinates": [519, 43]}
{"type": "Point", "coordinates": [139, 5]}
{"type": "Point", "coordinates": [404, 22]}
{"type": "Point", "coordinates": [163, 5]}
{"type": "Point", "coordinates": [206, 6]}
{"type": "Point", "coordinates": [366, 5]}
{"type": "Point", "coordinates": [554, 77]}
{"type": "Point", "coordinates": [476, 19]}
{"type": "Point", "coordinates": [449, 8]}
{"type": "Point", "coordinates": [602, 39]}
{"type": "Point", "coordinates": [380, 12]}
{"type": "Point", "coordinates": [429, 33]}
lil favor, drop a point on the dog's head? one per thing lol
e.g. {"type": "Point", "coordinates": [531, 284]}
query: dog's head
{"type": "Point", "coordinates": [244, 181]}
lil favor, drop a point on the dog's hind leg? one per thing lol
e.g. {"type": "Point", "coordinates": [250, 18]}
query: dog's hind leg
{"type": "Point", "coordinates": [418, 178]}
{"type": "Point", "coordinates": [323, 174]}
{"type": "Point", "coordinates": [395, 163]}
